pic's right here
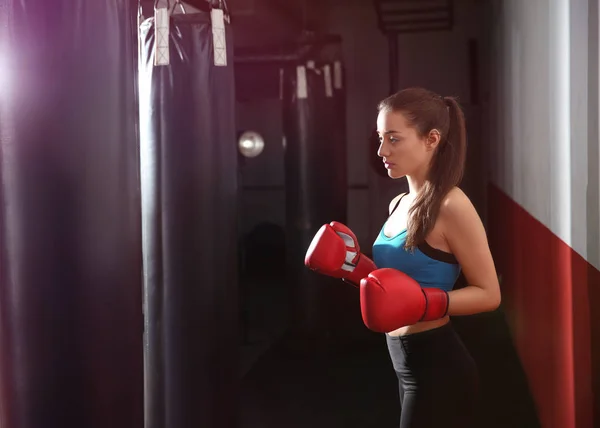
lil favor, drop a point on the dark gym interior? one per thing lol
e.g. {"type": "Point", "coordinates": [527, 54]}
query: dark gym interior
{"type": "Point", "coordinates": [163, 171]}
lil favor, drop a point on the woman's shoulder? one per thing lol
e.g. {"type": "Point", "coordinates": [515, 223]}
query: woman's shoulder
{"type": "Point", "coordinates": [456, 207]}
{"type": "Point", "coordinates": [455, 196]}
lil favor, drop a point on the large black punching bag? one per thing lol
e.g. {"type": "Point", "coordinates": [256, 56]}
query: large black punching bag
{"type": "Point", "coordinates": [70, 237]}
{"type": "Point", "coordinates": [189, 190]}
{"type": "Point", "coordinates": [316, 183]}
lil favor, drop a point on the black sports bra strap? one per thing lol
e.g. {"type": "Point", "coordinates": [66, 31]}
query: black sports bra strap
{"type": "Point", "coordinates": [398, 203]}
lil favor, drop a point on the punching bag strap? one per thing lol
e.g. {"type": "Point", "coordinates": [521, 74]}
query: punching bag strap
{"type": "Point", "coordinates": [162, 30]}
{"type": "Point", "coordinates": [220, 4]}
{"type": "Point", "coordinates": [140, 13]}
{"type": "Point", "coordinates": [217, 18]}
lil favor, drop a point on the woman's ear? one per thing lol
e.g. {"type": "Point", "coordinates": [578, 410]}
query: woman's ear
{"type": "Point", "coordinates": [433, 139]}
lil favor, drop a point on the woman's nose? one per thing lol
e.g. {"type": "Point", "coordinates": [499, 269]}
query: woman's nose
{"type": "Point", "coordinates": [383, 150]}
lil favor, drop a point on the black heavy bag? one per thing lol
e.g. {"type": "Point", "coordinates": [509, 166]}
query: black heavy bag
{"type": "Point", "coordinates": [70, 243]}
{"type": "Point", "coordinates": [315, 180]}
{"type": "Point", "coordinates": [189, 187]}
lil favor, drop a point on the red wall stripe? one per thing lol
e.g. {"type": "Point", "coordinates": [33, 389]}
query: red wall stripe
{"type": "Point", "coordinates": [545, 290]}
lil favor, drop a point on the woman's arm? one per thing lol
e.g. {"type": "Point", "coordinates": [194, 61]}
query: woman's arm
{"type": "Point", "coordinates": [467, 239]}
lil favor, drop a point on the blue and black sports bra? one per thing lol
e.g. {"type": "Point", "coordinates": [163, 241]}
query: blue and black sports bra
{"type": "Point", "coordinates": [428, 266]}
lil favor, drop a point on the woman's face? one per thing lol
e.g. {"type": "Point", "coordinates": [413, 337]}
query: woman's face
{"type": "Point", "coordinates": [401, 148]}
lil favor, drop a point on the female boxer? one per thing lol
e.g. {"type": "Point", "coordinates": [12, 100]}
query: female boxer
{"type": "Point", "coordinates": [432, 233]}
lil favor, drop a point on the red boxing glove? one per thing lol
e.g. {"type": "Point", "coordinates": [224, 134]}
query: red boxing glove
{"type": "Point", "coordinates": [390, 299]}
{"type": "Point", "coordinates": [334, 251]}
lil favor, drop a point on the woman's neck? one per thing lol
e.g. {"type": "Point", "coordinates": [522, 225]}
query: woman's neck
{"type": "Point", "coordinates": [415, 183]}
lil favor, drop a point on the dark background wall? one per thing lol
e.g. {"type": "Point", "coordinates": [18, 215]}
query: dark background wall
{"type": "Point", "coordinates": [443, 61]}
{"type": "Point", "coordinates": [515, 106]}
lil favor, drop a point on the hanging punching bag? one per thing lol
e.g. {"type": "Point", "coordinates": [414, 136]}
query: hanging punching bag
{"type": "Point", "coordinates": [70, 246]}
{"type": "Point", "coordinates": [189, 187]}
{"type": "Point", "coordinates": [316, 183]}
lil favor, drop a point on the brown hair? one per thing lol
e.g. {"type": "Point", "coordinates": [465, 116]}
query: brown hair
{"type": "Point", "coordinates": [425, 110]}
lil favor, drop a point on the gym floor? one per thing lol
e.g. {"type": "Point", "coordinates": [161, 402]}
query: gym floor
{"type": "Point", "coordinates": [341, 383]}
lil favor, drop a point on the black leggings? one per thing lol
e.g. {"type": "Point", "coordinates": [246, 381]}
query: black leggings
{"type": "Point", "coordinates": [437, 377]}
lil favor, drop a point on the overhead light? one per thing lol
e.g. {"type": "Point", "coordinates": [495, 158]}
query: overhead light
{"type": "Point", "coordinates": [251, 144]}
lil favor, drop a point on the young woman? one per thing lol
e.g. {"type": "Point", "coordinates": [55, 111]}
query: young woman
{"type": "Point", "coordinates": [432, 233]}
